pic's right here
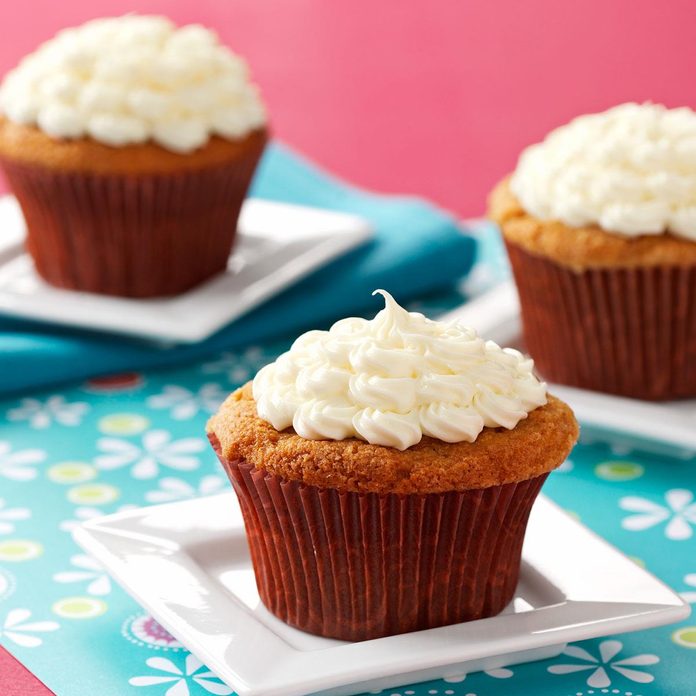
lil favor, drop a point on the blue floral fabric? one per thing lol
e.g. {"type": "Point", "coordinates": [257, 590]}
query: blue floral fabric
{"type": "Point", "coordinates": [94, 448]}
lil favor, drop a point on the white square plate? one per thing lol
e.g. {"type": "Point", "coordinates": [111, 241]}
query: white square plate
{"type": "Point", "coordinates": [188, 564]}
{"type": "Point", "coordinates": [657, 426]}
{"type": "Point", "coordinates": [277, 244]}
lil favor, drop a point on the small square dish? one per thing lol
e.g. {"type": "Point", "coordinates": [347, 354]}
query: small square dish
{"type": "Point", "coordinates": [656, 426]}
{"type": "Point", "coordinates": [188, 564]}
{"type": "Point", "coordinates": [277, 245]}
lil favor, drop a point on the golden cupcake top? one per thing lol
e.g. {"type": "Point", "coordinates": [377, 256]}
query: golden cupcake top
{"type": "Point", "coordinates": [537, 445]}
{"type": "Point", "coordinates": [133, 79]}
{"type": "Point", "coordinates": [585, 247]}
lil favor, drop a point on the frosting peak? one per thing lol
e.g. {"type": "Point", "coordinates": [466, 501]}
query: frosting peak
{"type": "Point", "coordinates": [631, 170]}
{"type": "Point", "coordinates": [125, 80]}
{"type": "Point", "coordinates": [395, 378]}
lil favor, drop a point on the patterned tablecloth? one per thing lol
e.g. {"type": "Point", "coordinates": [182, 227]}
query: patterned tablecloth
{"type": "Point", "coordinates": [68, 455]}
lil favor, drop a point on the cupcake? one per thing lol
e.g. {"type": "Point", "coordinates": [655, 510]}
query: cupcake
{"type": "Point", "coordinates": [386, 470]}
{"type": "Point", "coordinates": [600, 225]}
{"type": "Point", "coordinates": [130, 145]}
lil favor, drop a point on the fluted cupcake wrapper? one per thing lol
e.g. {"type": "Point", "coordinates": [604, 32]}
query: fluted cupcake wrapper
{"type": "Point", "coordinates": [358, 566]}
{"type": "Point", "coordinates": [628, 331]}
{"type": "Point", "coordinates": [135, 235]}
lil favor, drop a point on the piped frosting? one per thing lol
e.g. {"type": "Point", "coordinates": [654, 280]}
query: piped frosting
{"type": "Point", "coordinates": [395, 378]}
{"type": "Point", "coordinates": [630, 170]}
{"type": "Point", "coordinates": [127, 80]}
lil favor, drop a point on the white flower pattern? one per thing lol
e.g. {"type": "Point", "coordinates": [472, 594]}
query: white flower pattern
{"type": "Point", "coordinates": [8, 516]}
{"type": "Point", "coordinates": [690, 595]}
{"type": "Point", "coordinates": [602, 666]}
{"type": "Point", "coordinates": [566, 466]}
{"type": "Point", "coordinates": [171, 489]}
{"type": "Point", "coordinates": [16, 628]}
{"type": "Point", "coordinates": [19, 465]}
{"type": "Point", "coordinates": [184, 404]}
{"type": "Point", "coordinates": [42, 414]}
{"type": "Point", "coordinates": [679, 513]}
{"type": "Point", "coordinates": [99, 583]}
{"type": "Point", "coordinates": [193, 672]}
{"type": "Point", "coordinates": [238, 367]}
{"type": "Point", "coordinates": [7, 584]}
{"type": "Point", "coordinates": [498, 673]}
{"type": "Point", "coordinates": [82, 514]}
{"type": "Point", "coordinates": [158, 449]}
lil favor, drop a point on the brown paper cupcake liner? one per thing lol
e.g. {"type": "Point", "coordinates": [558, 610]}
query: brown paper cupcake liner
{"type": "Point", "coordinates": [358, 566]}
{"type": "Point", "coordinates": [135, 235]}
{"type": "Point", "coordinates": [627, 331]}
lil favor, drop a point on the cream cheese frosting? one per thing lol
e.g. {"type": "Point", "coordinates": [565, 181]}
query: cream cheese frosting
{"type": "Point", "coordinates": [630, 170]}
{"type": "Point", "coordinates": [395, 378]}
{"type": "Point", "coordinates": [126, 80]}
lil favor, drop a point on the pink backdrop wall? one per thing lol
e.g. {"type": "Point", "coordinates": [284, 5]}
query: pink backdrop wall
{"type": "Point", "coordinates": [423, 96]}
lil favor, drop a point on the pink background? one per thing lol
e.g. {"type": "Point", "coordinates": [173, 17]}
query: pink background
{"type": "Point", "coordinates": [434, 97]}
{"type": "Point", "coordinates": [423, 96]}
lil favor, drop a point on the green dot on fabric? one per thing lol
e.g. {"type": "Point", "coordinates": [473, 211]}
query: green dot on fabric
{"type": "Point", "coordinates": [16, 550]}
{"type": "Point", "coordinates": [686, 637]}
{"type": "Point", "coordinates": [93, 494]}
{"type": "Point", "coordinates": [79, 607]}
{"type": "Point", "coordinates": [123, 424]}
{"type": "Point", "coordinates": [71, 472]}
{"type": "Point", "coordinates": [619, 471]}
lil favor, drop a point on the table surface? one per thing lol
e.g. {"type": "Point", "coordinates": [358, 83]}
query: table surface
{"type": "Point", "coordinates": [17, 680]}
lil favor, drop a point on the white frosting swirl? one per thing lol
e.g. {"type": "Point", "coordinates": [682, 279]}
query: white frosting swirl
{"type": "Point", "coordinates": [393, 379]}
{"type": "Point", "coordinates": [630, 170]}
{"type": "Point", "coordinates": [130, 79]}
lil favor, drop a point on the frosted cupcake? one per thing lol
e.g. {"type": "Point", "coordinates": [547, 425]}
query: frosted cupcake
{"type": "Point", "coordinates": [600, 225]}
{"type": "Point", "coordinates": [130, 145]}
{"type": "Point", "coordinates": [386, 470]}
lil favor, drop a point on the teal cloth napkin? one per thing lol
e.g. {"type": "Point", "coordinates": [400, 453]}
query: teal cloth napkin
{"type": "Point", "coordinates": [417, 248]}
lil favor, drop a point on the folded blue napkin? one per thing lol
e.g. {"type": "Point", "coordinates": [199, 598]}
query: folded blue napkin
{"type": "Point", "coordinates": [417, 248]}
